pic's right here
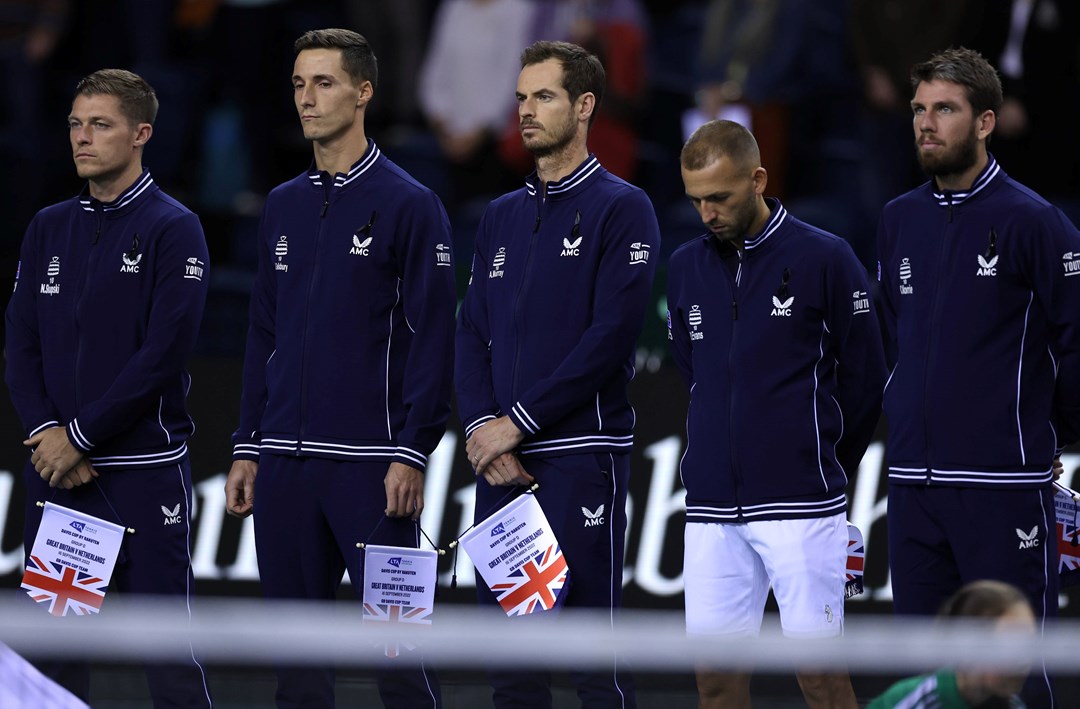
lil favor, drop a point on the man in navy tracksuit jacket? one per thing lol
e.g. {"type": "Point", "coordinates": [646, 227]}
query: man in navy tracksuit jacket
{"type": "Point", "coordinates": [106, 309]}
{"type": "Point", "coordinates": [771, 325]}
{"type": "Point", "coordinates": [545, 345]}
{"type": "Point", "coordinates": [349, 358]}
{"type": "Point", "coordinates": [980, 280]}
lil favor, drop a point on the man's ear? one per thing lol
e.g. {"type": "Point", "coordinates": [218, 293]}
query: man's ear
{"type": "Point", "coordinates": [587, 107]}
{"type": "Point", "coordinates": [984, 124]}
{"type": "Point", "coordinates": [143, 131]}
{"type": "Point", "coordinates": [364, 93]}
{"type": "Point", "coordinates": [760, 179]}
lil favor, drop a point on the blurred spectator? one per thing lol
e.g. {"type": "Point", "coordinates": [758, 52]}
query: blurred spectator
{"type": "Point", "coordinates": [398, 32]}
{"type": "Point", "coordinates": [889, 37]}
{"type": "Point", "coordinates": [781, 68]}
{"type": "Point", "coordinates": [1035, 46]}
{"type": "Point", "coordinates": [29, 33]}
{"type": "Point", "coordinates": [615, 31]}
{"type": "Point", "coordinates": [467, 87]}
{"type": "Point", "coordinates": [249, 114]}
{"type": "Point", "coordinates": [967, 686]}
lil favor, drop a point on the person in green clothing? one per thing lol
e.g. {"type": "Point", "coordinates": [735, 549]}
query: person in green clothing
{"type": "Point", "coordinates": [951, 688]}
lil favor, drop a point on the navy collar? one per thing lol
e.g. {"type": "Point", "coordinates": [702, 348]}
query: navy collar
{"type": "Point", "coordinates": [142, 186]}
{"type": "Point", "coordinates": [776, 217]}
{"type": "Point", "coordinates": [569, 184]}
{"type": "Point", "coordinates": [361, 166]}
{"type": "Point", "coordinates": [947, 198]}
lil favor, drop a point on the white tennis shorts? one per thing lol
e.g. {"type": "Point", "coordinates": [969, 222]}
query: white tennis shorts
{"type": "Point", "coordinates": [727, 570]}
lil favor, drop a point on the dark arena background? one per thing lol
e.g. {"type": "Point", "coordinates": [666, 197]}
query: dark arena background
{"type": "Point", "coordinates": [828, 103]}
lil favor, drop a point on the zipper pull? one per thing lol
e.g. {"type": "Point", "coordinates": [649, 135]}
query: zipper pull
{"type": "Point", "coordinates": [734, 310]}
{"type": "Point", "coordinates": [536, 226]}
{"type": "Point", "coordinates": [325, 206]}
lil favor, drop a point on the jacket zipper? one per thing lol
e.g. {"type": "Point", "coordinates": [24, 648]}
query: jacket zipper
{"type": "Point", "coordinates": [99, 215]}
{"type": "Point", "coordinates": [731, 381]}
{"type": "Point", "coordinates": [303, 334]}
{"type": "Point", "coordinates": [518, 297]}
{"type": "Point", "coordinates": [935, 312]}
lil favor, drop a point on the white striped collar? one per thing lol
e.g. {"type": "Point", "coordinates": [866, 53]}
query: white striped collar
{"type": "Point", "coordinates": [370, 157]}
{"type": "Point", "coordinates": [567, 184]}
{"type": "Point", "coordinates": [947, 198]}
{"type": "Point", "coordinates": [128, 196]}
{"type": "Point", "coordinates": [777, 215]}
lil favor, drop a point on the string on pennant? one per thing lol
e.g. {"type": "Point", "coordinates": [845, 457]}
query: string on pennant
{"type": "Point", "coordinates": [127, 529]}
{"type": "Point", "coordinates": [530, 490]}
{"type": "Point", "coordinates": [362, 546]}
{"type": "Point", "coordinates": [1075, 541]}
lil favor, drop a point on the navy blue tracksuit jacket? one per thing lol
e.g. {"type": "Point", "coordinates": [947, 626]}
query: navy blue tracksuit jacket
{"type": "Point", "coordinates": [781, 349]}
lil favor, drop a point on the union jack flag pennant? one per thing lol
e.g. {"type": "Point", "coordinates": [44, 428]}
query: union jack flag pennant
{"type": "Point", "coordinates": [856, 556]}
{"type": "Point", "coordinates": [1068, 537]}
{"type": "Point", "coordinates": [65, 589]}
{"type": "Point", "coordinates": [536, 585]}
{"type": "Point", "coordinates": [390, 613]}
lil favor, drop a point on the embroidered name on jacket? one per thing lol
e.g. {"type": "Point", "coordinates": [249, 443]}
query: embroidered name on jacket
{"type": "Point", "coordinates": [53, 272]}
{"type": "Point", "coordinates": [281, 250]}
{"type": "Point", "coordinates": [693, 319]}
{"type": "Point", "coordinates": [905, 277]}
{"type": "Point", "coordinates": [497, 264]}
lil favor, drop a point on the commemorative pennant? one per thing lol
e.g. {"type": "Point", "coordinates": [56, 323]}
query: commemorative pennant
{"type": "Point", "coordinates": [399, 587]}
{"type": "Point", "coordinates": [72, 561]}
{"type": "Point", "coordinates": [1067, 507]}
{"type": "Point", "coordinates": [519, 557]}
{"type": "Point", "coordinates": [856, 555]}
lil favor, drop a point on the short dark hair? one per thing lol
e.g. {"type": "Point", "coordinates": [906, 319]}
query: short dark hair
{"type": "Point", "coordinates": [357, 58]}
{"type": "Point", "coordinates": [969, 69]}
{"type": "Point", "coordinates": [582, 71]}
{"type": "Point", "coordinates": [138, 102]}
{"type": "Point", "coordinates": [717, 139]}
{"type": "Point", "coordinates": [983, 599]}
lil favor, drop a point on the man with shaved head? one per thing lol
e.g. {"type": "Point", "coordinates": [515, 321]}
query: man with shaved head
{"type": "Point", "coordinates": [771, 325]}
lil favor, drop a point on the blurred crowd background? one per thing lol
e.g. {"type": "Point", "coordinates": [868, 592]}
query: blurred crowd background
{"type": "Point", "coordinates": [822, 83]}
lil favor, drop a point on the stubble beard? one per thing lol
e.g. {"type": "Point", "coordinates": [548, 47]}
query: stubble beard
{"type": "Point", "coordinates": [739, 229]}
{"type": "Point", "coordinates": [556, 144]}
